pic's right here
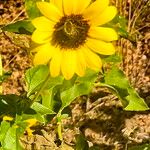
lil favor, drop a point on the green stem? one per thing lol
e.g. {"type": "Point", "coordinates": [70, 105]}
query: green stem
{"type": "Point", "coordinates": [59, 127]}
{"type": "Point", "coordinates": [59, 130]}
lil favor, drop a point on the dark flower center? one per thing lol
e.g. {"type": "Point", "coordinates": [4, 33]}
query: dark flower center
{"type": "Point", "coordinates": [70, 32]}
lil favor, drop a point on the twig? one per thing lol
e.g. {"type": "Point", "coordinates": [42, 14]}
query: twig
{"type": "Point", "coordinates": [11, 60]}
{"type": "Point", "coordinates": [17, 16]}
{"type": "Point", "coordinates": [129, 19]}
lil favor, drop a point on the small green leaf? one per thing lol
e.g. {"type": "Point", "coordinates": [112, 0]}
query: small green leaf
{"type": "Point", "coordinates": [120, 20]}
{"type": "Point", "coordinates": [122, 32]}
{"type": "Point", "coordinates": [41, 109]}
{"type": "Point", "coordinates": [81, 143]}
{"type": "Point", "coordinates": [116, 80]}
{"type": "Point", "coordinates": [4, 76]}
{"type": "Point", "coordinates": [35, 77]}
{"type": "Point", "coordinates": [90, 76]}
{"type": "Point", "coordinates": [119, 23]}
{"type": "Point", "coordinates": [21, 27]}
{"type": "Point", "coordinates": [112, 58]}
{"type": "Point", "coordinates": [31, 8]}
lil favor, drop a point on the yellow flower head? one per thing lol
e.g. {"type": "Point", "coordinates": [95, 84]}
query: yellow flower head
{"type": "Point", "coordinates": [70, 35]}
{"type": "Point", "coordinates": [7, 118]}
{"type": "Point", "coordinates": [31, 123]}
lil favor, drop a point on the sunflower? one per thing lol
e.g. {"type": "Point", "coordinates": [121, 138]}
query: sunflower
{"type": "Point", "coordinates": [70, 35]}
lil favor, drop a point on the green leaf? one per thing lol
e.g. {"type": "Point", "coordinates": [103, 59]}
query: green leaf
{"type": "Point", "coordinates": [31, 8]}
{"type": "Point", "coordinates": [69, 95]}
{"type": "Point", "coordinates": [120, 20]}
{"type": "Point", "coordinates": [19, 121]}
{"type": "Point", "coordinates": [21, 27]}
{"type": "Point", "coordinates": [4, 76]}
{"type": "Point", "coordinates": [50, 90]}
{"type": "Point", "coordinates": [52, 82]}
{"type": "Point", "coordinates": [82, 86]}
{"type": "Point", "coordinates": [41, 109]}
{"type": "Point", "coordinates": [119, 23]}
{"type": "Point", "coordinates": [3, 129]}
{"type": "Point", "coordinates": [12, 104]}
{"type": "Point", "coordinates": [140, 147]}
{"type": "Point", "coordinates": [10, 138]}
{"type": "Point", "coordinates": [81, 143]}
{"type": "Point", "coordinates": [35, 77]}
{"type": "Point", "coordinates": [47, 98]}
{"type": "Point", "coordinates": [112, 58]}
{"type": "Point", "coordinates": [135, 101]}
{"type": "Point", "coordinates": [90, 76]}
{"type": "Point", "coordinates": [116, 80]}
{"type": "Point", "coordinates": [32, 115]}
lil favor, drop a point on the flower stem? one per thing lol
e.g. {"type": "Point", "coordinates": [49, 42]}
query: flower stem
{"type": "Point", "coordinates": [59, 127]}
{"type": "Point", "coordinates": [59, 130]}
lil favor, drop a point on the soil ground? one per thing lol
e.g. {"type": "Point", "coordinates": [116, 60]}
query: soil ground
{"type": "Point", "coordinates": [100, 118]}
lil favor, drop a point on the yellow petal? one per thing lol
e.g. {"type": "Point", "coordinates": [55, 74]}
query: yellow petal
{"type": "Point", "coordinates": [58, 3]}
{"type": "Point", "coordinates": [81, 63]}
{"type": "Point", "coordinates": [100, 47]}
{"type": "Point", "coordinates": [43, 24]}
{"type": "Point", "coordinates": [49, 10]}
{"type": "Point", "coordinates": [107, 15]}
{"type": "Point", "coordinates": [29, 131]}
{"type": "Point", "coordinates": [80, 5]}
{"type": "Point", "coordinates": [41, 37]}
{"type": "Point", "coordinates": [68, 6]}
{"type": "Point", "coordinates": [68, 64]}
{"type": "Point", "coordinates": [7, 118]}
{"type": "Point", "coordinates": [44, 54]}
{"type": "Point", "coordinates": [95, 9]}
{"type": "Point", "coordinates": [31, 122]}
{"type": "Point", "coordinates": [103, 33]}
{"type": "Point", "coordinates": [75, 6]}
{"type": "Point", "coordinates": [55, 63]}
{"type": "Point", "coordinates": [93, 61]}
